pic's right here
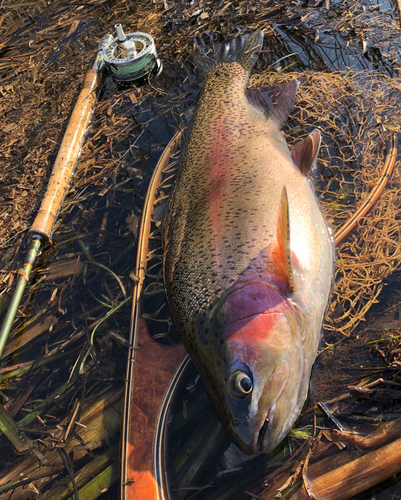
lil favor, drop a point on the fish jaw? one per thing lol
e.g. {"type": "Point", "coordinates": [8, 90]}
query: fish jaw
{"type": "Point", "coordinates": [267, 346]}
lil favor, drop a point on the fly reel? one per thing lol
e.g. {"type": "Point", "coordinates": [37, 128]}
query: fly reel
{"type": "Point", "coordinates": [132, 56]}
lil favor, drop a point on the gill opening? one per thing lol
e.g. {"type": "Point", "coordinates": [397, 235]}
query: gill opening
{"type": "Point", "coordinates": [236, 288]}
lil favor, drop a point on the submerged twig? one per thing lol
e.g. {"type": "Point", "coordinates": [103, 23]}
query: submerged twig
{"type": "Point", "coordinates": [14, 485]}
{"type": "Point", "coordinates": [10, 430]}
{"type": "Point", "coordinates": [102, 266]}
{"type": "Point", "coordinates": [107, 316]}
{"type": "Point", "coordinates": [68, 40]}
{"type": "Point", "coordinates": [356, 476]}
{"type": "Point", "coordinates": [399, 9]}
{"type": "Point", "coordinates": [64, 458]}
{"type": "Point", "coordinates": [384, 434]}
{"type": "Point", "coordinates": [92, 336]}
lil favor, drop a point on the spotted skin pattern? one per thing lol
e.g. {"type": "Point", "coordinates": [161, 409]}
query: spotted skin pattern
{"type": "Point", "coordinates": [225, 276]}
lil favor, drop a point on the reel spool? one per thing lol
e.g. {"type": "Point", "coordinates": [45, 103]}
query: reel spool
{"type": "Point", "coordinates": [132, 56]}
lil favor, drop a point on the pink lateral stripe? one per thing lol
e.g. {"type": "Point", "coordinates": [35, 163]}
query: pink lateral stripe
{"type": "Point", "coordinates": [220, 190]}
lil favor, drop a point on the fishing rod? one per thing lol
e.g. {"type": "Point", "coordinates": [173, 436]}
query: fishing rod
{"type": "Point", "coordinates": [127, 57]}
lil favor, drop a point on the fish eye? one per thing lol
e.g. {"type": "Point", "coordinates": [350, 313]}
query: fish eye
{"type": "Point", "coordinates": [240, 385]}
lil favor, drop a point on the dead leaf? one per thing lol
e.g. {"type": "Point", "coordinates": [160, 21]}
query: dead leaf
{"type": "Point", "coordinates": [132, 223]}
{"type": "Point", "coordinates": [9, 127]}
{"type": "Point", "coordinates": [73, 27]}
{"type": "Point", "coordinates": [132, 97]}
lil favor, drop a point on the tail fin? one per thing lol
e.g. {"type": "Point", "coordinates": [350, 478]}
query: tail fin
{"type": "Point", "coordinates": [241, 49]}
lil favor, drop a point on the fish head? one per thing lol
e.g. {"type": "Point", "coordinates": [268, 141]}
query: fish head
{"type": "Point", "coordinates": [266, 368]}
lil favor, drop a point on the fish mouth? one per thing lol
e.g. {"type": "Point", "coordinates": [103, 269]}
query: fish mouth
{"type": "Point", "coordinates": [262, 434]}
{"type": "Point", "coordinates": [279, 379]}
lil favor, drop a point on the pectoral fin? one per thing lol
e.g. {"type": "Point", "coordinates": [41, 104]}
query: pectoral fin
{"type": "Point", "coordinates": [305, 152]}
{"type": "Point", "coordinates": [283, 242]}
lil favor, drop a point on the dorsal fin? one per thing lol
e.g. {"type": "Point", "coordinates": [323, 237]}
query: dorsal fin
{"type": "Point", "coordinates": [276, 102]}
{"type": "Point", "coordinates": [305, 152]}
{"type": "Point", "coordinates": [283, 240]}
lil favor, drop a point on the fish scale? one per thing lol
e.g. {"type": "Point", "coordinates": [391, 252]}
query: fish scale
{"type": "Point", "coordinates": [242, 229]}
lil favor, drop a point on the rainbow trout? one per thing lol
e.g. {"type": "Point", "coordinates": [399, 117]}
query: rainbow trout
{"type": "Point", "coordinates": [248, 258]}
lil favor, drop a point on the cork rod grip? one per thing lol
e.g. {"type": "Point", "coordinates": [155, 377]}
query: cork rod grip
{"type": "Point", "coordinates": [67, 157]}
